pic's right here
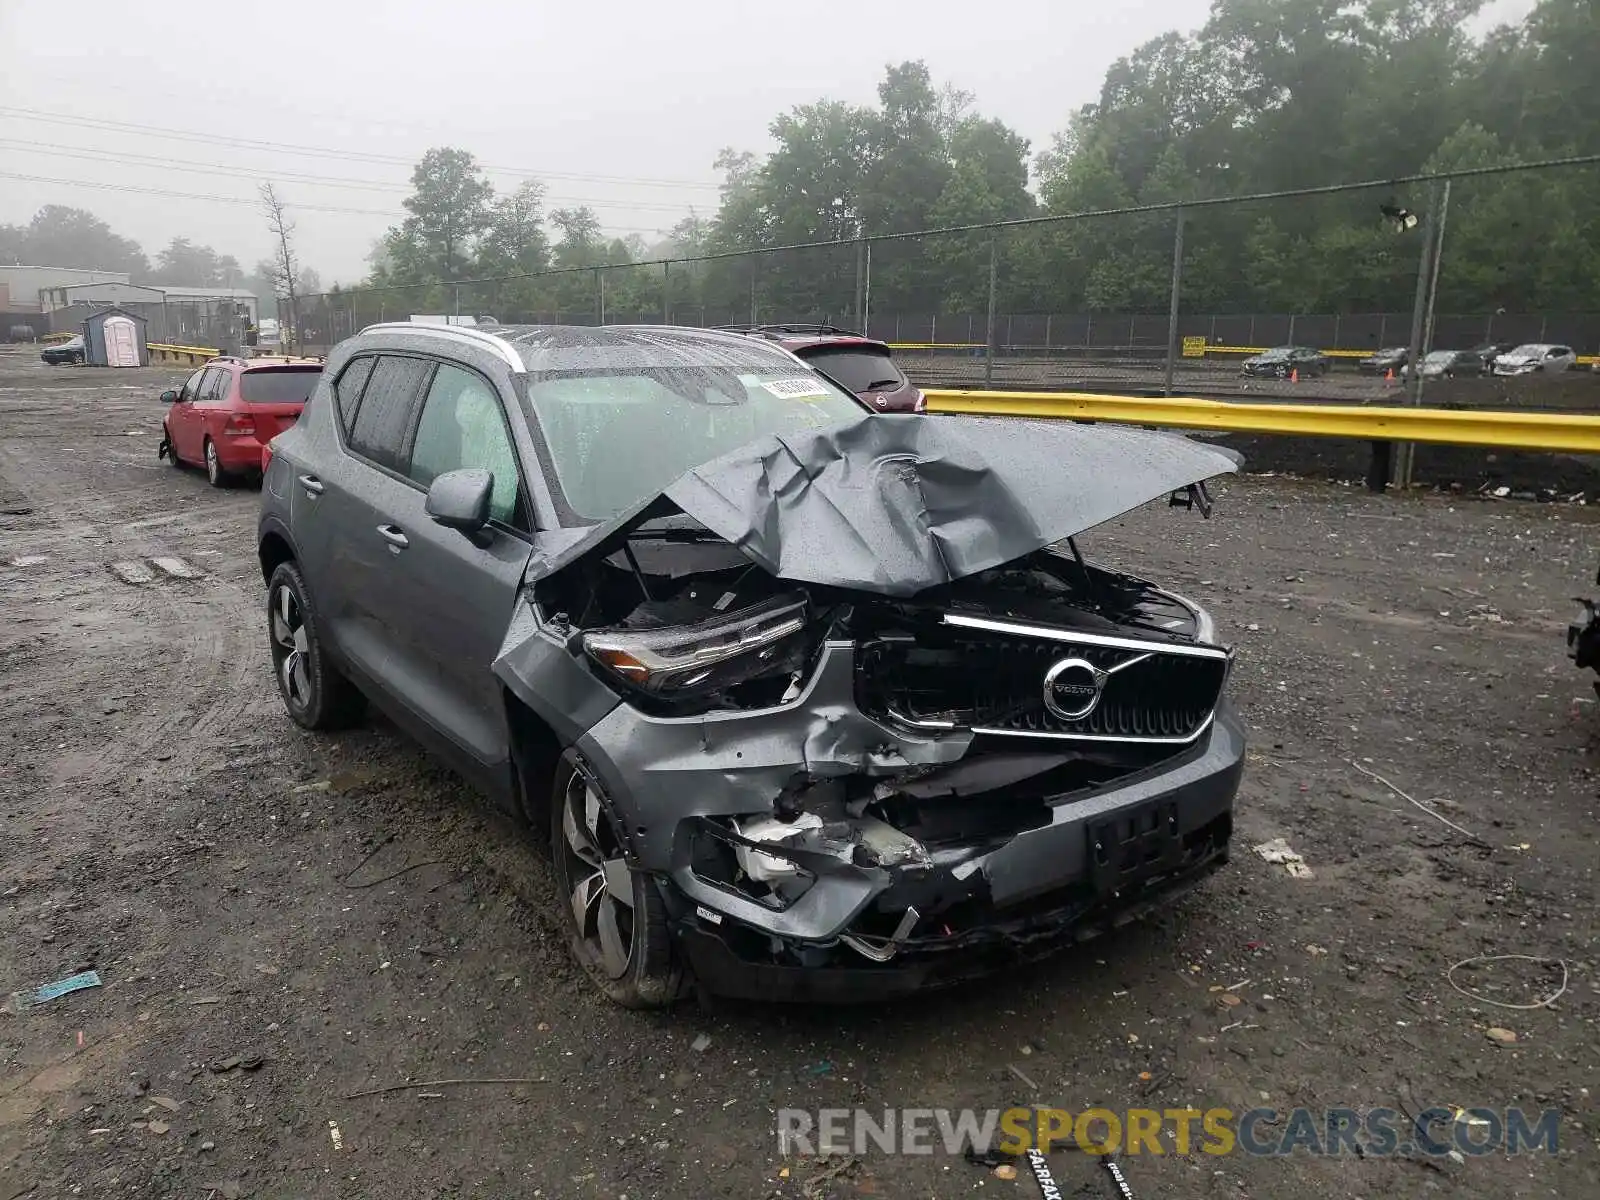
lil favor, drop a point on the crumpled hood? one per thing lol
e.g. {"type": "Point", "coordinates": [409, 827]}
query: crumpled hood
{"type": "Point", "coordinates": [896, 505]}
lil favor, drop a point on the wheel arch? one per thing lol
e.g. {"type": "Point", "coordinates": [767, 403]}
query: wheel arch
{"type": "Point", "coordinates": [274, 547]}
{"type": "Point", "coordinates": [535, 753]}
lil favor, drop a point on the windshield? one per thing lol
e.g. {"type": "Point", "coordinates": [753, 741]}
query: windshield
{"type": "Point", "coordinates": [278, 385]}
{"type": "Point", "coordinates": [1281, 352]}
{"type": "Point", "coordinates": [1441, 357]}
{"type": "Point", "coordinates": [859, 368]}
{"type": "Point", "coordinates": [1530, 350]}
{"type": "Point", "coordinates": [1390, 351]}
{"type": "Point", "coordinates": [616, 437]}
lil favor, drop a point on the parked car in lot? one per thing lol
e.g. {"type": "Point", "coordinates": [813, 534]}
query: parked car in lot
{"type": "Point", "coordinates": [1285, 361]}
{"type": "Point", "coordinates": [804, 703]}
{"type": "Point", "coordinates": [1534, 356]}
{"type": "Point", "coordinates": [65, 353]}
{"type": "Point", "coordinates": [859, 364]}
{"type": "Point", "coordinates": [1394, 358]}
{"type": "Point", "coordinates": [228, 410]}
{"type": "Point", "coordinates": [1452, 364]}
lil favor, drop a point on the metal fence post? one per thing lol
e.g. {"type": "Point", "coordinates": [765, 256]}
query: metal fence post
{"type": "Point", "coordinates": [1291, 329]}
{"type": "Point", "coordinates": [988, 354]}
{"type": "Point", "coordinates": [754, 260]}
{"type": "Point", "coordinates": [861, 265]}
{"type": "Point", "coordinates": [1177, 292]}
{"type": "Point", "coordinates": [666, 293]}
{"type": "Point", "coordinates": [1337, 345]}
{"type": "Point", "coordinates": [599, 296]}
{"type": "Point", "coordinates": [458, 299]}
{"type": "Point", "coordinates": [866, 293]}
{"type": "Point", "coordinates": [1047, 335]}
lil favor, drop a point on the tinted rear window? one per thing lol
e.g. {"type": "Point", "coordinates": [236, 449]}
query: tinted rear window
{"type": "Point", "coordinates": [858, 368]}
{"type": "Point", "coordinates": [286, 385]}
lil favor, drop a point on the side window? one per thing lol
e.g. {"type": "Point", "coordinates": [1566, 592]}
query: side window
{"type": "Point", "coordinates": [216, 390]}
{"type": "Point", "coordinates": [387, 405]}
{"type": "Point", "coordinates": [462, 426]}
{"type": "Point", "coordinates": [191, 385]}
{"type": "Point", "coordinates": [347, 391]}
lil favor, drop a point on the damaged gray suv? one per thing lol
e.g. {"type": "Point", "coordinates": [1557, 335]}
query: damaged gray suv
{"type": "Point", "coordinates": [807, 702]}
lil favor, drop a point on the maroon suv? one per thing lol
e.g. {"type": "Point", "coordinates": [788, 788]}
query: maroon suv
{"type": "Point", "coordinates": [857, 363]}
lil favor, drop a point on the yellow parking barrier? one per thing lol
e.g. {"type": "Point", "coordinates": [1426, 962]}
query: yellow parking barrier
{"type": "Point", "coordinates": [194, 355]}
{"type": "Point", "coordinates": [1563, 432]}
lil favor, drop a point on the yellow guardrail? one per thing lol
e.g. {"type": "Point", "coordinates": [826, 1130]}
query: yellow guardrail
{"type": "Point", "coordinates": [161, 352]}
{"type": "Point", "coordinates": [1574, 434]}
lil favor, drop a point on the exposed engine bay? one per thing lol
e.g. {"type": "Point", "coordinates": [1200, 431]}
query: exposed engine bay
{"type": "Point", "coordinates": [687, 626]}
{"type": "Point", "coordinates": [855, 695]}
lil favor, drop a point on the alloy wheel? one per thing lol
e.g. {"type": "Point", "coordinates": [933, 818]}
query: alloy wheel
{"type": "Point", "coordinates": [291, 646]}
{"type": "Point", "coordinates": [213, 467]}
{"type": "Point", "coordinates": [602, 885]}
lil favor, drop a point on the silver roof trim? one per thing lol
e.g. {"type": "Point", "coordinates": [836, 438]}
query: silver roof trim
{"type": "Point", "coordinates": [478, 337]}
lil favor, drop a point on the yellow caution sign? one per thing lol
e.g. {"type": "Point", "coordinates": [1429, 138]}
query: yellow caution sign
{"type": "Point", "coordinates": [1194, 347]}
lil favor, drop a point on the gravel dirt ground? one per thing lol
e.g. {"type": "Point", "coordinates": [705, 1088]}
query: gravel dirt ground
{"type": "Point", "coordinates": [281, 920]}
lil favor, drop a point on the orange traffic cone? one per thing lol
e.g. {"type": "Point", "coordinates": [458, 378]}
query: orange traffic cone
{"type": "Point", "coordinates": [1294, 375]}
{"type": "Point", "coordinates": [1388, 376]}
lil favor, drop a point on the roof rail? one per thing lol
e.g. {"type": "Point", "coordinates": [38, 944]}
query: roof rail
{"type": "Point", "coordinates": [477, 336]}
{"type": "Point", "coordinates": [791, 327]}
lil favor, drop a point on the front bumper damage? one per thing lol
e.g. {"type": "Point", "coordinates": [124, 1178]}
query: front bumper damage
{"type": "Point", "coordinates": [878, 920]}
{"type": "Point", "coordinates": [974, 750]}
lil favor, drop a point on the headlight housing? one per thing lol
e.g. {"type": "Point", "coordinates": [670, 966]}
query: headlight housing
{"type": "Point", "coordinates": [688, 661]}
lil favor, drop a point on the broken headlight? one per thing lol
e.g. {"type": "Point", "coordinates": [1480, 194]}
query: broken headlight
{"type": "Point", "coordinates": [684, 661]}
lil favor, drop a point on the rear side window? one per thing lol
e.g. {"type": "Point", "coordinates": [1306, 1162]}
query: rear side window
{"type": "Point", "coordinates": [278, 385]}
{"type": "Point", "coordinates": [214, 387]}
{"type": "Point", "coordinates": [858, 368]}
{"type": "Point", "coordinates": [387, 406]}
{"type": "Point", "coordinates": [347, 391]}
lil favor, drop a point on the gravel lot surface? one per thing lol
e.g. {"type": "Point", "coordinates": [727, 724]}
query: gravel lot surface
{"type": "Point", "coordinates": [238, 885]}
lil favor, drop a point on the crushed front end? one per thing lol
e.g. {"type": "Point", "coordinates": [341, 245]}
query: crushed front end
{"type": "Point", "coordinates": [844, 795]}
{"type": "Point", "coordinates": [867, 740]}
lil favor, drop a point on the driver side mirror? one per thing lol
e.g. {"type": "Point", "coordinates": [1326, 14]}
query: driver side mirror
{"type": "Point", "coordinates": [170, 396]}
{"type": "Point", "coordinates": [459, 500]}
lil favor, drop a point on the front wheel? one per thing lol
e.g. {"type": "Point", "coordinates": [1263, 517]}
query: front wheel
{"type": "Point", "coordinates": [314, 693]}
{"type": "Point", "coordinates": [615, 917]}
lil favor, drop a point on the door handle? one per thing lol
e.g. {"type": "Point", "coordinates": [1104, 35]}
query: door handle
{"type": "Point", "coordinates": [394, 535]}
{"type": "Point", "coordinates": [312, 485]}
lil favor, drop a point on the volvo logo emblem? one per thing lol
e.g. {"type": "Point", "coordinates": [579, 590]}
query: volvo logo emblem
{"type": "Point", "coordinates": [1072, 688]}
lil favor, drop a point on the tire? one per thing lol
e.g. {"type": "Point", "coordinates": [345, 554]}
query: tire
{"type": "Point", "coordinates": [172, 448]}
{"type": "Point", "coordinates": [215, 475]}
{"type": "Point", "coordinates": [635, 964]}
{"type": "Point", "coordinates": [314, 694]}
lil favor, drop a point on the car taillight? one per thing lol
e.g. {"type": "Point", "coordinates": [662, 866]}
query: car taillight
{"type": "Point", "coordinates": [240, 425]}
{"type": "Point", "coordinates": [266, 457]}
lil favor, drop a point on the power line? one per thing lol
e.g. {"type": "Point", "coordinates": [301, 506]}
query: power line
{"type": "Point", "coordinates": [190, 135]}
{"type": "Point", "coordinates": [148, 191]}
{"type": "Point", "coordinates": [167, 164]}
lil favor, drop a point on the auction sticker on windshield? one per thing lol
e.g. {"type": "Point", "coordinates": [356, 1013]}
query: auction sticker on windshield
{"type": "Point", "coordinates": [795, 389]}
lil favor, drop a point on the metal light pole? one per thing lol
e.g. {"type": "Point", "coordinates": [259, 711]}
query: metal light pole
{"type": "Point", "coordinates": [1405, 451]}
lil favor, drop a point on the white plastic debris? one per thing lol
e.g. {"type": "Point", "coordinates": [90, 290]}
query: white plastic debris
{"type": "Point", "coordinates": [1280, 853]}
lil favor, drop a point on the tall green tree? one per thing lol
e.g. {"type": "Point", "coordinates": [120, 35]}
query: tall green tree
{"type": "Point", "coordinates": [450, 206]}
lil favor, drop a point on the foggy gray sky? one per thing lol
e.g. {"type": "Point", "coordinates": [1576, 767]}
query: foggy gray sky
{"type": "Point", "coordinates": [621, 104]}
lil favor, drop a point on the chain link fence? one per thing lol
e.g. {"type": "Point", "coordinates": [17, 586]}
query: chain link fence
{"type": "Point", "coordinates": [1162, 299]}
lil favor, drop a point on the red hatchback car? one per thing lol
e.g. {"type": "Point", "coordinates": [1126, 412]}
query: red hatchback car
{"type": "Point", "coordinates": [859, 364]}
{"type": "Point", "coordinates": [227, 411]}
